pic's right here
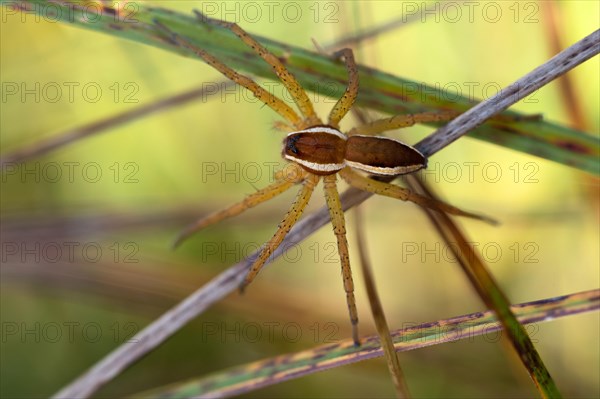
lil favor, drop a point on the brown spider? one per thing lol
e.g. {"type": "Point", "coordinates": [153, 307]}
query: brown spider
{"type": "Point", "coordinates": [318, 150]}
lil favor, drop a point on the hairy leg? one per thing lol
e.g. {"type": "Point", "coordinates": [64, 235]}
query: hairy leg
{"type": "Point", "coordinates": [283, 181]}
{"type": "Point", "coordinates": [400, 121]}
{"type": "Point", "coordinates": [263, 95]}
{"type": "Point", "coordinates": [391, 190]}
{"type": "Point", "coordinates": [286, 77]}
{"type": "Point", "coordinates": [336, 214]}
{"type": "Point", "coordinates": [284, 227]}
{"type": "Point", "coordinates": [341, 108]}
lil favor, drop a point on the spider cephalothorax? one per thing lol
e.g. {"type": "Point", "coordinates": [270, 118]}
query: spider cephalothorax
{"type": "Point", "coordinates": [319, 150]}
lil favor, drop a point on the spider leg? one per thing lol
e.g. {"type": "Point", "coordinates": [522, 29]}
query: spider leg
{"type": "Point", "coordinates": [263, 95]}
{"type": "Point", "coordinates": [283, 181]}
{"type": "Point", "coordinates": [286, 224]}
{"type": "Point", "coordinates": [399, 121]}
{"type": "Point", "coordinates": [341, 108]}
{"type": "Point", "coordinates": [390, 190]}
{"type": "Point", "coordinates": [283, 126]}
{"type": "Point", "coordinates": [336, 213]}
{"type": "Point", "coordinates": [287, 78]}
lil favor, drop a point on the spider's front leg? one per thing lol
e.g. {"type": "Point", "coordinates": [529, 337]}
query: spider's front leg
{"type": "Point", "coordinates": [290, 219]}
{"type": "Point", "coordinates": [263, 95]}
{"type": "Point", "coordinates": [391, 190]}
{"type": "Point", "coordinates": [286, 77]}
{"type": "Point", "coordinates": [336, 213]}
{"type": "Point", "coordinates": [341, 108]}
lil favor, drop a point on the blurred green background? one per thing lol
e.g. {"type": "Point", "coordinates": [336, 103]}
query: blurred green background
{"type": "Point", "coordinates": [86, 230]}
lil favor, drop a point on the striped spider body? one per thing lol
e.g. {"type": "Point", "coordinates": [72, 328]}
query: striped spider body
{"type": "Point", "coordinates": [324, 150]}
{"type": "Point", "coordinates": [318, 151]}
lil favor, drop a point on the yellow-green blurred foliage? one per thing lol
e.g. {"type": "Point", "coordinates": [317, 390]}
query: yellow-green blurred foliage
{"type": "Point", "coordinates": [60, 316]}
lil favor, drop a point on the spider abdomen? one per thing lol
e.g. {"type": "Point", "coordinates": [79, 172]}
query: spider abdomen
{"type": "Point", "coordinates": [382, 155]}
{"type": "Point", "coordinates": [324, 150]}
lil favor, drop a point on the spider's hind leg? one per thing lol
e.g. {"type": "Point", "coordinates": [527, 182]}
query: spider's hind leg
{"type": "Point", "coordinates": [391, 190]}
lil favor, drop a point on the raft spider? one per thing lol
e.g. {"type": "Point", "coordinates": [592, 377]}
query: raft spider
{"type": "Point", "coordinates": [320, 150]}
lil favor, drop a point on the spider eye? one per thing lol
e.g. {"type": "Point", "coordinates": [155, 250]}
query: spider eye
{"type": "Point", "coordinates": [290, 144]}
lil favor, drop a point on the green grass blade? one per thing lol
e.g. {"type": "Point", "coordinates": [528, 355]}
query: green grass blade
{"type": "Point", "coordinates": [490, 293]}
{"type": "Point", "coordinates": [259, 374]}
{"type": "Point", "coordinates": [379, 91]}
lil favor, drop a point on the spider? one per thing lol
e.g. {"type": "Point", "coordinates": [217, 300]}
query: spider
{"type": "Point", "coordinates": [318, 151]}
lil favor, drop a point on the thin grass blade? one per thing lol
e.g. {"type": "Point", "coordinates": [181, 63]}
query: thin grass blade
{"type": "Point", "coordinates": [252, 376]}
{"type": "Point", "coordinates": [379, 91]}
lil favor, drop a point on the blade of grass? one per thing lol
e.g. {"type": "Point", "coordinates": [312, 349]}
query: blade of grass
{"type": "Point", "coordinates": [195, 304]}
{"type": "Point", "coordinates": [490, 292]}
{"type": "Point", "coordinates": [249, 377]}
{"type": "Point", "coordinates": [386, 27]}
{"type": "Point", "coordinates": [383, 330]}
{"type": "Point", "coordinates": [70, 136]}
{"type": "Point", "coordinates": [539, 77]}
{"type": "Point", "coordinates": [380, 91]}
{"type": "Point", "coordinates": [569, 98]}
{"type": "Point", "coordinates": [381, 324]}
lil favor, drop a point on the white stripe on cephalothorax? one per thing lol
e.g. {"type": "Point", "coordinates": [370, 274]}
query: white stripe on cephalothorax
{"type": "Point", "coordinates": [321, 167]}
{"type": "Point", "coordinates": [378, 170]}
{"type": "Point", "coordinates": [322, 129]}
